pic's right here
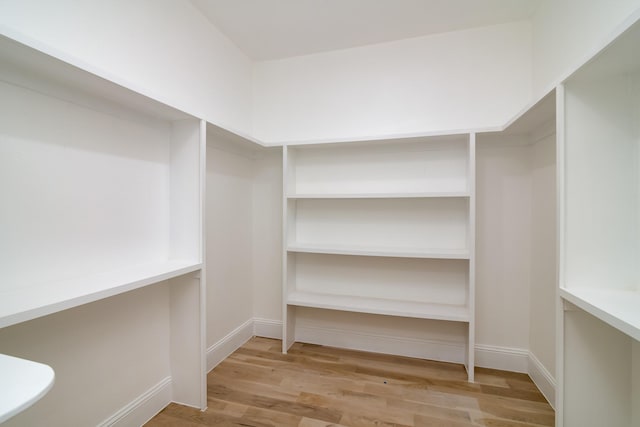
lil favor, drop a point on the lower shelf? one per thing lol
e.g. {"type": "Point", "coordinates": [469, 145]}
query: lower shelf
{"type": "Point", "coordinates": [30, 302]}
{"type": "Point", "coordinates": [618, 308]}
{"type": "Point", "coordinates": [380, 306]}
{"type": "Point", "coordinates": [379, 251]}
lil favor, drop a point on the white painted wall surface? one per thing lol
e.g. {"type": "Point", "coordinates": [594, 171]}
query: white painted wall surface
{"type": "Point", "coordinates": [104, 354]}
{"type": "Point", "coordinates": [165, 49]}
{"type": "Point", "coordinates": [267, 236]}
{"type": "Point", "coordinates": [566, 32]}
{"type": "Point", "coordinates": [543, 253]}
{"type": "Point", "coordinates": [229, 260]}
{"type": "Point", "coordinates": [244, 216]}
{"type": "Point", "coordinates": [503, 243]}
{"type": "Point", "coordinates": [463, 79]}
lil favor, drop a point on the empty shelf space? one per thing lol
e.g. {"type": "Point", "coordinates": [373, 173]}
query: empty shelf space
{"type": "Point", "coordinates": [32, 301]}
{"type": "Point", "coordinates": [380, 223]}
{"type": "Point", "coordinates": [618, 308]}
{"type": "Point", "coordinates": [419, 166]}
{"type": "Point", "coordinates": [430, 194]}
{"type": "Point", "coordinates": [379, 251]}
{"type": "Point", "coordinates": [380, 306]}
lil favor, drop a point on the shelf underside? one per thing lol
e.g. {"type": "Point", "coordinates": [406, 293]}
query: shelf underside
{"type": "Point", "coordinates": [33, 301]}
{"type": "Point", "coordinates": [380, 306]}
{"type": "Point", "coordinates": [379, 251]}
{"type": "Point", "coordinates": [618, 308]}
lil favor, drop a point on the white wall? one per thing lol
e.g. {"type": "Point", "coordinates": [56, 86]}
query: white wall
{"type": "Point", "coordinates": [543, 253]}
{"type": "Point", "coordinates": [165, 49]}
{"type": "Point", "coordinates": [229, 239]}
{"type": "Point", "coordinates": [463, 79]}
{"type": "Point", "coordinates": [96, 352]}
{"type": "Point", "coordinates": [565, 32]}
{"type": "Point", "coordinates": [267, 237]}
{"type": "Point", "coordinates": [244, 261]}
{"type": "Point", "coordinates": [503, 242]}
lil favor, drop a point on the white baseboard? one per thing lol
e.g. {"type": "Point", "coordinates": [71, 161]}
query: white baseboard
{"type": "Point", "coordinates": [502, 358]}
{"type": "Point", "coordinates": [150, 403]}
{"type": "Point", "coordinates": [542, 379]}
{"type": "Point", "coordinates": [230, 343]}
{"type": "Point", "coordinates": [143, 408]}
{"type": "Point", "coordinates": [267, 328]}
{"type": "Point", "coordinates": [379, 343]}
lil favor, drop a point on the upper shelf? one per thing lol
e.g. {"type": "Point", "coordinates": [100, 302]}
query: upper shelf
{"type": "Point", "coordinates": [30, 302]}
{"type": "Point", "coordinates": [60, 75]}
{"type": "Point", "coordinates": [618, 58]}
{"type": "Point", "coordinates": [31, 65]}
{"type": "Point", "coordinates": [27, 67]}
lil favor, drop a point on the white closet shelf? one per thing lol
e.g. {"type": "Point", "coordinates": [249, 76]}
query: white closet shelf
{"type": "Point", "coordinates": [30, 302]}
{"type": "Point", "coordinates": [380, 251]}
{"type": "Point", "coordinates": [618, 308]}
{"type": "Point", "coordinates": [386, 307]}
{"type": "Point", "coordinates": [430, 194]}
{"type": "Point", "coordinates": [51, 72]}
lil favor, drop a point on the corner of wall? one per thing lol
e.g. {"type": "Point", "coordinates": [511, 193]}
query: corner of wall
{"type": "Point", "coordinates": [542, 378]}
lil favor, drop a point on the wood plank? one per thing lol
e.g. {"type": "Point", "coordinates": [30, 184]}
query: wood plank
{"type": "Point", "coordinates": [317, 386]}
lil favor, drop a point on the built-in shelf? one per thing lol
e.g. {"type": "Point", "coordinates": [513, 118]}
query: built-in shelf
{"type": "Point", "coordinates": [381, 227]}
{"type": "Point", "coordinates": [30, 302]}
{"type": "Point", "coordinates": [433, 194]}
{"type": "Point", "coordinates": [618, 308]}
{"type": "Point", "coordinates": [380, 251]}
{"type": "Point", "coordinates": [598, 177]}
{"type": "Point", "coordinates": [380, 306]}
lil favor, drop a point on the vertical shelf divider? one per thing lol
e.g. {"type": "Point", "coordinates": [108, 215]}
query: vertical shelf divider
{"type": "Point", "coordinates": [187, 293]}
{"type": "Point", "coordinates": [471, 182]}
{"type": "Point", "coordinates": [288, 312]}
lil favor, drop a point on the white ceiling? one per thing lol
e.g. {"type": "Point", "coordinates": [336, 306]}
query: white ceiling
{"type": "Point", "coordinates": [272, 29]}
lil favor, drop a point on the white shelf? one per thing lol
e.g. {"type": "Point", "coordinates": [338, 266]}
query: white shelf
{"type": "Point", "coordinates": [380, 306]}
{"type": "Point", "coordinates": [55, 74]}
{"type": "Point", "coordinates": [22, 384]}
{"type": "Point", "coordinates": [380, 251]}
{"type": "Point", "coordinates": [618, 308]}
{"type": "Point", "coordinates": [433, 194]}
{"type": "Point", "coordinates": [30, 302]}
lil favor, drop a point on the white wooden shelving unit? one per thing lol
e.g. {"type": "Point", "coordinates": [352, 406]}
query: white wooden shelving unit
{"type": "Point", "coordinates": [599, 235]}
{"type": "Point", "coordinates": [381, 227]}
{"type": "Point", "coordinates": [102, 194]}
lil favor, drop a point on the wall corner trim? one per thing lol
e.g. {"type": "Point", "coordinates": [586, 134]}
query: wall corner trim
{"type": "Point", "coordinates": [267, 328]}
{"type": "Point", "coordinates": [543, 379]}
{"type": "Point", "coordinates": [502, 358]}
{"type": "Point", "coordinates": [228, 344]}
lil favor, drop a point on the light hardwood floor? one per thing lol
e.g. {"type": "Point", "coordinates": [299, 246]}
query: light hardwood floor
{"type": "Point", "coordinates": [317, 386]}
